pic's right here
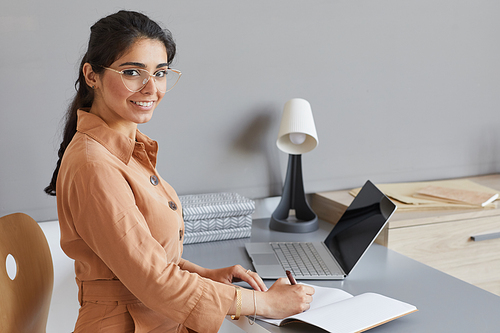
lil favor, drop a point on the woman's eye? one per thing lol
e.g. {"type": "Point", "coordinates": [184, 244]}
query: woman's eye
{"type": "Point", "coordinates": [161, 73]}
{"type": "Point", "coordinates": [131, 72]}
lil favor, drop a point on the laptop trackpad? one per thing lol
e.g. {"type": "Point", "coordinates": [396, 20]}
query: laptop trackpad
{"type": "Point", "coordinates": [267, 265]}
{"type": "Point", "coordinates": [265, 259]}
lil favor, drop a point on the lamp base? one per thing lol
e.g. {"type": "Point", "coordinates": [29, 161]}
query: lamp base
{"type": "Point", "coordinates": [291, 225]}
{"type": "Point", "coordinates": [294, 198]}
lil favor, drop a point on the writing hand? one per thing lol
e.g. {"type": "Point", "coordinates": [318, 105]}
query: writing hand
{"type": "Point", "coordinates": [284, 300]}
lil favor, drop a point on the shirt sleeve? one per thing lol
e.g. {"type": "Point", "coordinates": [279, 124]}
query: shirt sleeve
{"type": "Point", "coordinates": [106, 217]}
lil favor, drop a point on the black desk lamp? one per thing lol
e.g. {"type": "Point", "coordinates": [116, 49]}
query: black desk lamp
{"type": "Point", "coordinates": [297, 135]}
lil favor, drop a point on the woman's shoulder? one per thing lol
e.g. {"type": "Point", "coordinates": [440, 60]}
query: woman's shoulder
{"type": "Point", "coordinates": [86, 164]}
{"type": "Point", "coordinates": [86, 149]}
{"type": "Point", "coordinates": [85, 152]}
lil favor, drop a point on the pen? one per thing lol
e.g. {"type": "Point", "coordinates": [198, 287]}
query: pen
{"type": "Point", "coordinates": [290, 277]}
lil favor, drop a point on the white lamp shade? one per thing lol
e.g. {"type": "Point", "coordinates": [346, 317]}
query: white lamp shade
{"type": "Point", "coordinates": [297, 120]}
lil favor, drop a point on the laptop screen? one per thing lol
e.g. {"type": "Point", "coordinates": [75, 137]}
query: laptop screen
{"type": "Point", "coordinates": [359, 226]}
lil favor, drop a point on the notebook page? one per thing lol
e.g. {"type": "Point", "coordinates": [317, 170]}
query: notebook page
{"type": "Point", "coordinates": [357, 314]}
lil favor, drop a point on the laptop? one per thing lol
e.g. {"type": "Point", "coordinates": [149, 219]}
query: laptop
{"type": "Point", "coordinates": [338, 254]}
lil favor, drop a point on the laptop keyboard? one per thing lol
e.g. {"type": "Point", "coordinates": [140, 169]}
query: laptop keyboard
{"type": "Point", "coordinates": [301, 259]}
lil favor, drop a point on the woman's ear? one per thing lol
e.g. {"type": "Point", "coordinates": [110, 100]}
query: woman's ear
{"type": "Point", "coordinates": [90, 76]}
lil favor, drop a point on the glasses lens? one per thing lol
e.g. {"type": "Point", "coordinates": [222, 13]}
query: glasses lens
{"type": "Point", "coordinates": [173, 77]}
{"type": "Point", "coordinates": [136, 79]}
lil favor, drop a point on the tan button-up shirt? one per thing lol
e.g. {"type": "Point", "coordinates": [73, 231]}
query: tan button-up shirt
{"type": "Point", "coordinates": [121, 221]}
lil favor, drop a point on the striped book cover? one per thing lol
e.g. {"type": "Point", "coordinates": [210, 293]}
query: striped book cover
{"type": "Point", "coordinates": [216, 235]}
{"type": "Point", "coordinates": [215, 205]}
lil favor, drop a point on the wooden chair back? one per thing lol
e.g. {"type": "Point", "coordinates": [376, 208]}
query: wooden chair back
{"type": "Point", "coordinates": [25, 299]}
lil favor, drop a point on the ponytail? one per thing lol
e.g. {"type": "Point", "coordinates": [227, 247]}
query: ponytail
{"type": "Point", "coordinates": [83, 99]}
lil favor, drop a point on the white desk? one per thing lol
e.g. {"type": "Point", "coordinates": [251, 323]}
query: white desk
{"type": "Point", "coordinates": [445, 304]}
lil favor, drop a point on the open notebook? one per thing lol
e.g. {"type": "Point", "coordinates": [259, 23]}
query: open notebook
{"type": "Point", "coordinates": [335, 310]}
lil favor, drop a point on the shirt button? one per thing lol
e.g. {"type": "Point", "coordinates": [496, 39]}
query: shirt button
{"type": "Point", "coordinates": [154, 180]}
{"type": "Point", "coordinates": [172, 205]}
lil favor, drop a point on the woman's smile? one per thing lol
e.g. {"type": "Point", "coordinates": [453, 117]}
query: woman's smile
{"type": "Point", "coordinates": [145, 104]}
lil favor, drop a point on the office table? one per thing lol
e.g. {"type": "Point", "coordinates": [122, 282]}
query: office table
{"type": "Point", "coordinates": [445, 304]}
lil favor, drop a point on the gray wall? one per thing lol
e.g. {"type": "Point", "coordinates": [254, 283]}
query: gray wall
{"type": "Point", "coordinates": [400, 90]}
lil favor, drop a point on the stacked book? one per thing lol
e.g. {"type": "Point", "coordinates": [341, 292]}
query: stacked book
{"type": "Point", "coordinates": [216, 216]}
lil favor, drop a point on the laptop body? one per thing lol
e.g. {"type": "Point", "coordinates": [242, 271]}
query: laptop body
{"type": "Point", "coordinates": [342, 249]}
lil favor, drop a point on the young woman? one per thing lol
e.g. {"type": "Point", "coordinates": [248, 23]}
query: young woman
{"type": "Point", "coordinates": [120, 221]}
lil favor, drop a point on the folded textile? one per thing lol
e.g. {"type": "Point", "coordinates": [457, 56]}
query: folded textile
{"type": "Point", "coordinates": [216, 235]}
{"type": "Point", "coordinates": [218, 223]}
{"type": "Point", "coordinates": [215, 205]}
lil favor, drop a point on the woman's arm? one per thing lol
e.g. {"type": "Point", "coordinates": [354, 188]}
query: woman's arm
{"type": "Point", "coordinates": [191, 267]}
{"type": "Point", "coordinates": [226, 275]}
{"type": "Point", "coordinates": [282, 299]}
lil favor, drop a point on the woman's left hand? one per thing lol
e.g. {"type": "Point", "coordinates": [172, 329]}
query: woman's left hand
{"type": "Point", "coordinates": [236, 273]}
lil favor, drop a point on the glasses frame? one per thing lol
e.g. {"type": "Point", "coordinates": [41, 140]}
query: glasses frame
{"type": "Point", "coordinates": [149, 77]}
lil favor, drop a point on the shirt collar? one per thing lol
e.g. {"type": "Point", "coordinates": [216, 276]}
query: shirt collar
{"type": "Point", "coordinates": [116, 143]}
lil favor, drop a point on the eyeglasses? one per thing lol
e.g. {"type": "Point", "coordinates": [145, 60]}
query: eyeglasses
{"type": "Point", "coordinates": [135, 79]}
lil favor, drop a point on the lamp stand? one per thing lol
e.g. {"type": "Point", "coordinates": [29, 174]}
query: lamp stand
{"type": "Point", "coordinates": [293, 197]}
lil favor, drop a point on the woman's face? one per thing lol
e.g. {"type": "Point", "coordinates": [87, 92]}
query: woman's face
{"type": "Point", "coordinates": [114, 102]}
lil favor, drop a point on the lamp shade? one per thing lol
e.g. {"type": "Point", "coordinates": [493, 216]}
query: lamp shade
{"type": "Point", "coordinates": [297, 134]}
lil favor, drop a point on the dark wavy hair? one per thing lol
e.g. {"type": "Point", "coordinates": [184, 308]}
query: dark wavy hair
{"type": "Point", "coordinates": [110, 38]}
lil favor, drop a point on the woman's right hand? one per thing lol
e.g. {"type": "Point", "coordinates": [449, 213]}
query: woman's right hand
{"type": "Point", "coordinates": [283, 299]}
